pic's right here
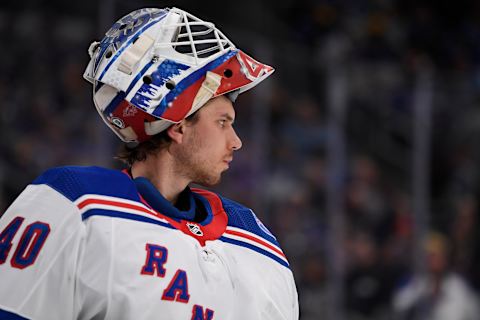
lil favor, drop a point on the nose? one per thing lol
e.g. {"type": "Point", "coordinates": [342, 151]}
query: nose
{"type": "Point", "coordinates": [235, 141]}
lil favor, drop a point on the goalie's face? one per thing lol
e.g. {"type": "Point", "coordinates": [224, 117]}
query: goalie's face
{"type": "Point", "coordinates": [206, 146]}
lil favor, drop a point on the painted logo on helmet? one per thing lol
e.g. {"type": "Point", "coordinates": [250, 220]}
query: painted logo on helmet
{"type": "Point", "coordinates": [252, 68]}
{"type": "Point", "coordinates": [148, 94]}
{"type": "Point", "coordinates": [124, 28]}
{"type": "Point", "coordinates": [129, 111]}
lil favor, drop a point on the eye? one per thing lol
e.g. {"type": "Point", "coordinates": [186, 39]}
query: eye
{"type": "Point", "coordinates": [222, 123]}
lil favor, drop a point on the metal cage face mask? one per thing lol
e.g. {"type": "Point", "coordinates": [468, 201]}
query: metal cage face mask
{"type": "Point", "coordinates": [154, 67]}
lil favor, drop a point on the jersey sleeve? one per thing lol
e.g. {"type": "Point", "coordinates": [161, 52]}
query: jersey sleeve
{"type": "Point", "coordinates": [40, 240]}
{"type": "Point", "coordinates": [281, 295]}
{"type": "Point", "coordinates": [294, 300]}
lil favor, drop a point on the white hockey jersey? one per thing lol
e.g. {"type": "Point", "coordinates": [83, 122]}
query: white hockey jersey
{"type": "Point", "coordinates": [84, 243]}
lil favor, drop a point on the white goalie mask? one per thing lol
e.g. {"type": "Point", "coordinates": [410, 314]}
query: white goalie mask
{"type": "Point", "coordinates": [155, 67]}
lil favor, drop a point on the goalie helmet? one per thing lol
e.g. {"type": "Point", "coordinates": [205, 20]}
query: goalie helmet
{"type": "Point", "coordinates": [155, 67]}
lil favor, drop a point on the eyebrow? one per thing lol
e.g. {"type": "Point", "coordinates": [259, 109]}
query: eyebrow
{"type": "Point", "coordinates": [228, 117]}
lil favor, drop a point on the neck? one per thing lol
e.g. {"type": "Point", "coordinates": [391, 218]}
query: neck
{"type": "Point", "coordinates": [160, 171]}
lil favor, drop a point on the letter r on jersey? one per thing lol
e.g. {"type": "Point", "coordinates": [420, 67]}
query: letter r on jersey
{"type": "Point", "coordinates": [155, 261]}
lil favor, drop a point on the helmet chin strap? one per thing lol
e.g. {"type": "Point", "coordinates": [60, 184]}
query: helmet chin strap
{"type": "Point", "coordinates": [206, 92]}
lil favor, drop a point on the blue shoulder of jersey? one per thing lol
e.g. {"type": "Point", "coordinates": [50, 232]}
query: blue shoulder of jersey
{"type": "Point", "coordinates": [244, 218]}
{"type": "Point", "coordinates": [76, 181]}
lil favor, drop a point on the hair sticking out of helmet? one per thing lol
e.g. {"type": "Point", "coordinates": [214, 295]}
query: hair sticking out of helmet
{"type": "Point", "coordinates": [155, 67]}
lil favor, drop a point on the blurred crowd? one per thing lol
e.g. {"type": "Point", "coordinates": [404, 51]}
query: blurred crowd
{"type": "Point", "coordinates": [47, 119]}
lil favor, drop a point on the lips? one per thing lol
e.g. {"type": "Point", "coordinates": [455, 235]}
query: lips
{"type": "Point", "coordinates": [228, 158]}
{"type": "Point", "coordinates": [227, 162]}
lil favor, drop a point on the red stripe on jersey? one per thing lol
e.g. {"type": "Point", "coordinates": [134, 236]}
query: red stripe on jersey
{"type": "Point", "coordinates": [87, 202]}
{"type": "Point", "coordinates": [240, 234]}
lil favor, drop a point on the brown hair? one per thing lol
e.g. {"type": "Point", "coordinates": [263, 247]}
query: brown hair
{"type": "Point", "coordinates": [129, 155]}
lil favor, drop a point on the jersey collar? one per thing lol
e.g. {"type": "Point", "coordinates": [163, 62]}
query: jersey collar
{"type": "Point", "coordinates": [156, 200]}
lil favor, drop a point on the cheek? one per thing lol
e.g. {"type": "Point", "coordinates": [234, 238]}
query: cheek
{"type": "Point", "coordinates": [208, 145]}
{"type": "Point", "coordinates": [202, 149]}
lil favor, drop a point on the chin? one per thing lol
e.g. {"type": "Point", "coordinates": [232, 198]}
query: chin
{"type": "Point", "coordinates": [209, 181]}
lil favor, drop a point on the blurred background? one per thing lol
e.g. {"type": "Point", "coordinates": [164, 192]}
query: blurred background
{"type": "Point", "coordinates": [361, 152]}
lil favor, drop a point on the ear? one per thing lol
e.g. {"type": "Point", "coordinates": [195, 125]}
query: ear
{"type": "Point", "coordinates": [176, 132]}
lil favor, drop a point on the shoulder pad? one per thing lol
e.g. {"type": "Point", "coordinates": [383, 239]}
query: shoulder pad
{"type": "Point", "coordinates": [75, 181]}
{"type": "Point", "coordinates": [244, 218]}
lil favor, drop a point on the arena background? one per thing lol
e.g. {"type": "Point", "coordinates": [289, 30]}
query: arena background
{"type": "Point", "coordinates": [360, 153]}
